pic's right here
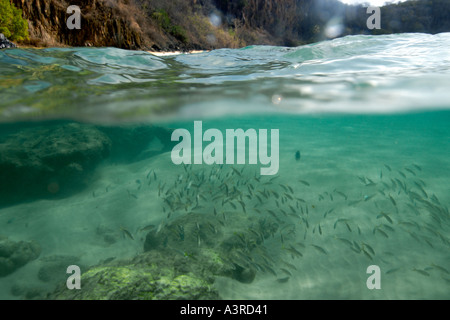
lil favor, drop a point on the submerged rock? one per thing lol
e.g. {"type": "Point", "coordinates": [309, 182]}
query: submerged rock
{"type": "Point", "coordinates": [49, 161]}
{"type": "Point", "coordinates": [150, 276]}
{"type": "Point", "coordinates": [5, 43]}
{"type": "Point", "coordinates": [14, 255]}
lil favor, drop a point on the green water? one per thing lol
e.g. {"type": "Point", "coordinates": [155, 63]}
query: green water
{"type": "Point", "coordinates": [370, 119]}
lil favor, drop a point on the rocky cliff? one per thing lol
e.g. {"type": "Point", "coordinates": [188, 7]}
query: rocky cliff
{"type": "Point", "coordinates": [103, 24]}
{"type": "Point", "coordinates": [127, 24]}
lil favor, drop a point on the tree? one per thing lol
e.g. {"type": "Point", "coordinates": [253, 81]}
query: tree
{"type": "Point", "coordinates": [12, 25]}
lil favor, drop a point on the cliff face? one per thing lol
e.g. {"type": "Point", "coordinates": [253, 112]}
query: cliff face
{"type": "Point", "coordinates": [103, 23]}
{"type": "Point", "coordinates": [126, 24]}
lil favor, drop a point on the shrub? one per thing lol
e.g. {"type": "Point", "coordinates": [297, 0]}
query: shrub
{"type": "Point", "coordinates": [162, 18]}
{"type": "Point", "coordinates": [12, 25]}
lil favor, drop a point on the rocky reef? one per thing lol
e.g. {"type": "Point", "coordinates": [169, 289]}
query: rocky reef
{"type": "Point", "coordinates": [16, 254]}
{"type": "Point", "coordinates": [50, 160]}
{"type": "Point", "coordinates": [150, 276]}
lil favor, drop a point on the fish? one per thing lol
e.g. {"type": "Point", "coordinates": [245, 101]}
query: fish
{"type": "Point", "coordinates": [131, 195]}
{"type": "Point", "coordinates": [386, 216]}
{"type": "Point", "coordinates": [365, 245]}
{"type": "Point", "coordinates": [292, 209]}
{"type": "Point", "coordinates": [236, 171]}
{"type": "Point", "coordinates": [392, 200]}
{"type": "Point", "coordinates": [385, 185]}
{"type": "Point", "coordinates": [348, 227]}
{"type": "Point", "coordinates": [367, 254]}
{"type": "Point", "coordinates": [352, 203]}
{"type": "Point", "coordinates": [289, 196]}
{"type": "Point", "coordinates": [337, 221]}
{"type": "Point", "coordinates": [388, 167]}
{"type": "Point", "coordinates": [392, 270]}
{"type": "Point", "coordinates": [306, 183]}
{"type": "Point", "coordinates": [410, 171]}
{"type": "Point", "coordinates": [127, 233]}
{"type": "Point", "coordinates": [320, 249]}
{"type": "Point", "coordinates": [388, 227]}
{"type": "Point", "coordinates": [435, 199]}
{"type": "Point", "coordinates": [199, 241]}
{"type": "Point", "coordinates": [306, 222]}
{"type": "Point", "coordinates": [346, 241]}
{"type": "Point", "coordinates": [342, 194]}
{"type": "Point", "coordinates": [286, 271]}
{"type": "Point", "coordinates": [294, 251]}
{"type": "Point", "coordinates": [289, 265]}
{"type": "Point", "coordinates": [147, 227]}
{"type": "Point", "coordinates": [243, 206]}
{"type": "Point", "coordinates": [440, 268]}
{"type": "Point", "coordinates": [272, 213]}
{"type": "Point", "coordinates": [422, 272]}
{"type": "Point", "coordinates": [381, 231]}
{"type": "Point", "coordinates": [283, 280]}
{"type": "Point", "coordinates": [422, 190]}
{"type": "Point", "coordinates": [417, 167]}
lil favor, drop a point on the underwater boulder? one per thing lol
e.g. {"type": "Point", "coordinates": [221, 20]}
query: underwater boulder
{"type": "Point", "coordinates": [48, 161]}
{"type": "Point", "coordinates": [14, 255]}
{"type": "Point", "coordinates": [150, 276]}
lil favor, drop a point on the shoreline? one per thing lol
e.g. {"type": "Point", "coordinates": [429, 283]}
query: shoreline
{"type": "Point", "coordinates": [156, 53]}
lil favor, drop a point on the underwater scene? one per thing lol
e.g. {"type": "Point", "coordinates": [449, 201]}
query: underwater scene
{"type": "Point", "coordinates": [314, 172]}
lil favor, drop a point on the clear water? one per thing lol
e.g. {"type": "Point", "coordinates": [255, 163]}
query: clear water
{"type": "Point", "coordinates": [369, 115]}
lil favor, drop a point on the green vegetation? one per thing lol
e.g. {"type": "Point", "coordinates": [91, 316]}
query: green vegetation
{"type": "Point", "coordinates": [163, 20]}
{"type": "Point", "coordinates": [12, 25]}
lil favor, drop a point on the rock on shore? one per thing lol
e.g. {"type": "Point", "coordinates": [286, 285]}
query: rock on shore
{"type": "Point", "coordinates": [5, 43]}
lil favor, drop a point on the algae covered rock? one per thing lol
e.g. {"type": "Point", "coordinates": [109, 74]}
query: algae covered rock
{"type": "Point", "coordinates": [14, 255]}
{"type": "Point", "coordinates": [137, 282]}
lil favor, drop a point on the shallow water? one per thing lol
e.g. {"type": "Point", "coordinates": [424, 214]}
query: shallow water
{"type": "Point", "coordinates": [369, 116]}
